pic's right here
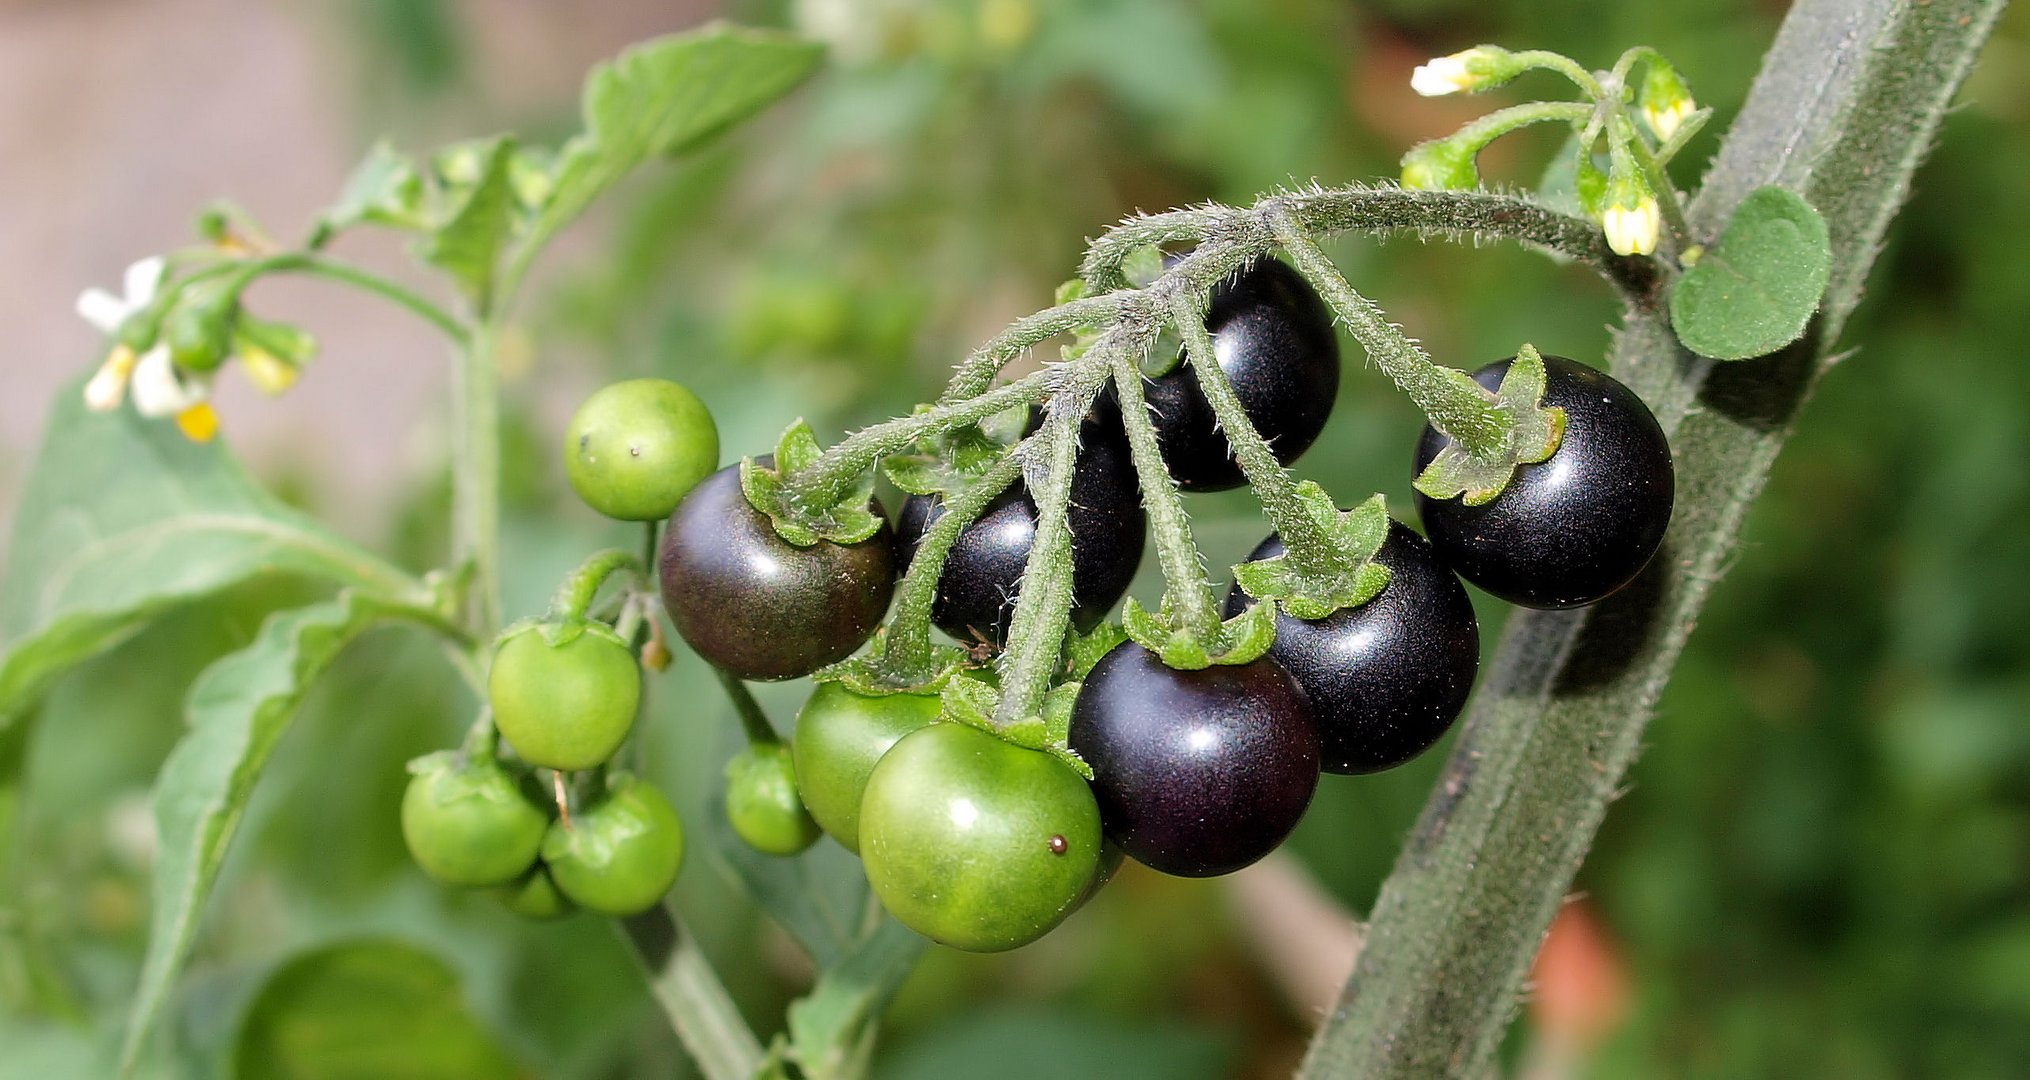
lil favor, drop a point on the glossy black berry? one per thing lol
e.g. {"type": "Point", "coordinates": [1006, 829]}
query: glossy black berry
{"type": "Point", "coordinates": [1387, 678]}
{"type": "Point", "coordinates": [983, 572]}
{"type": "Point", "coordinates": [1197, 772]}
{"type": "Point", "coordinates": [758, 606]}
{"type": "Point", "coordinates": [1273, 337]}
{"type": "Point", "coordinates": [1576, 526]}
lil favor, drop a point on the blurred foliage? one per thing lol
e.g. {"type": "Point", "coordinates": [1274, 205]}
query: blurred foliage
{"type": "Point", "coordinates": [1823, 864]}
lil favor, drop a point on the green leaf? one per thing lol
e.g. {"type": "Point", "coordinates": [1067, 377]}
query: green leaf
{"type": "Point", "coordinates": [1005, 1044]}
{"type": "Point", "coordinates": [124, 518]}
{"type": "Point", "coordinates": [386, 188]}
{"type": "Point", "coordinates": [1755, 290]}
{"type": "Point", "coordinates": [664, 97]}
{"type": "Point", "coordinates": [819, 897]}
{"type": "Point", "coordinates": [373, 1008]}
{"type": "Point", "coordinates": [467, 240]}
{"type": "Point", "coordinates": [237, 710]}
{"type": "Point", "coordinates": [831, 1029]}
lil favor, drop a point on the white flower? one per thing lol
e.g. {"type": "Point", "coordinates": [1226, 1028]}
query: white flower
{"type": "Point", "coordinates": [1632, 228]}
{"type": "Point", "coordinates": [1473, 69]}
{"type": "Point", "coordinates": [162, 389]}
{"type": "Point", "coordinates": [107, 312]}
{"type": "Point", "coordinates": [108, 386]}
{"type": "Point", "coordinates": [1444, 75]}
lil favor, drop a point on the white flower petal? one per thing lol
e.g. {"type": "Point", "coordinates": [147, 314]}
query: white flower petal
{"type": "Point", "coordinates": [103, 310]}
{"type": "Point", "coordinates": [142, 279]}
{"type": "Point", "coordinates": [1633, 230]}
{"type": "Point", "coordinates": [161, 390]}
{"type": "Point", "coordinates": [1444, 75]}
{"type": "Point", "coordinates": [108, 386]}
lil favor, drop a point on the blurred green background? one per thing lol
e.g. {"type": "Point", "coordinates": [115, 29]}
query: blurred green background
{"type": "Point", "coordinates": [1822, 864]}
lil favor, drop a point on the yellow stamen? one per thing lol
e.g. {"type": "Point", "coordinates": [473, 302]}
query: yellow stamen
{"type": "Point", "coordinates": [199, 423]}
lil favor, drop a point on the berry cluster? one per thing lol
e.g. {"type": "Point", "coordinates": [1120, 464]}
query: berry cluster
{"type": "Point", "coordinates": [991, 786]}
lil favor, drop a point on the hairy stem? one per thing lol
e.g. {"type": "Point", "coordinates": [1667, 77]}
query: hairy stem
{"type": "Point", "coordinates": [976, 373]}
{"type": "Point", "coordinates": [1308, 545]}
{"type": "Point", "coordinates": [908, 642]}
{"type": "Point", "coordinates": [1545, 60]}
{"type": "Point", "coordinates": [1494, 125]}
{"type": "Point", "coordinates": [1186, 592]}
{"type": "Point", "coordinates": [1381, 211]}
{"type": "Point", "coordinates": [1848, 101]}
{"type": "Point", "coordinates": [832, 476]}
{"type": "Point", "coordinates": [1043, 610]}
{"type": "Point", "coordinates": [1457, 406]}
{"type": "Point", "coordinates": [1667, 197]}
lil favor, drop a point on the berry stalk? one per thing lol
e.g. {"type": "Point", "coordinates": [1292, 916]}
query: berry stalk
{"type": "Point", "coordinates": [1043, 610]}
{"type": "Point", "coordinates": [1308, 544]}
{"type": "Point", "coordinates": [907, 649]}
{"type": "Point", "coordinates": [1456, 405]}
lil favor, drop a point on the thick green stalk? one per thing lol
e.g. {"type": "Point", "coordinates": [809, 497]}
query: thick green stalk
{"type": "Point", "coordinates": [976, 372]}
{"type": "Point", "coordinates": [1378, 211]}
{"type": "Point", "coordinates": [1849, 99]}
{"type": "Point", "coordinates": [754, 722]}
{"type": "Point", "coordinates": [681, 978]}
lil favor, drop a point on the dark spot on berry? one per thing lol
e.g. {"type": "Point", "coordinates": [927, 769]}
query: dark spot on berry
{"type": "Point", "coordinates": [1058, 845]}
{"type": "Point", "coordinates": [634, 451]}
{"type": "Point", "coordinates": [584, 440]}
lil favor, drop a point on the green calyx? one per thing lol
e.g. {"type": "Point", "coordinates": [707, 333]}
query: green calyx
{"type": "Point", "coordinates": [1349, 578]}
{"type": "Point", "coordinates": [1165, 632]}
{"type": "Point", "coordinates": [199, 329]}
{"type": "Point", "coordinates": [1533, 434]}
{"type": "Point", "coordinates": [973, 698]}
{"type": "Point", "coordinates": [946, 463]}
{"type": "Point", "coordinates": [849, 520]}
{"type": "Point", "coordinates": [880, 672]}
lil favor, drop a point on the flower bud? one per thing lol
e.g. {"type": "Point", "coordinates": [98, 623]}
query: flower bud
{"type": "Point", "coordinates": [1440, 165]}
{"type": "Point", "coordinates": [1632, 220]}
{"type": "Point", "coordinates": [1471, 71]}
{"type": "Point", "coordinates": [1665, 101]}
